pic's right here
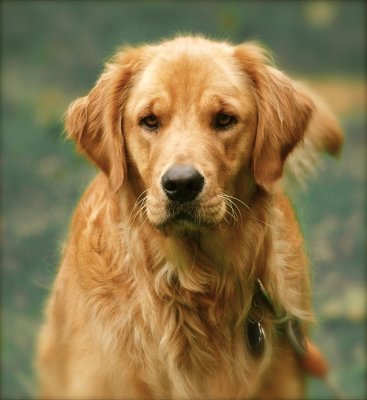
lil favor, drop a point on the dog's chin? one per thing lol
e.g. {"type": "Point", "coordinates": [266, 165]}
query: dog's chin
{"type": "Point", "coordinates": [184, 224]}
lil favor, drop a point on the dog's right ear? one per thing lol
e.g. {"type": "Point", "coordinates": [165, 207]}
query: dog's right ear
{"type": "Point", "coordinates": [95, 121]}
{"type": "Point", "coordinates": [283, 113]}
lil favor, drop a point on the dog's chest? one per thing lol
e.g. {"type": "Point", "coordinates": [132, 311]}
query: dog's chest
{"type": "Point", "coordinates": [198, 349]}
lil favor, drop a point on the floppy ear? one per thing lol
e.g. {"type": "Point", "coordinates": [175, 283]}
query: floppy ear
{"type": "Point", "coordinates": [283, 113]}
{"type": "Point", "coordinates": [95, 121]}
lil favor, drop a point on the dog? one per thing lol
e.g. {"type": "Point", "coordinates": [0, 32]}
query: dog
{"type": "Point", "coordinates": [184, 266]}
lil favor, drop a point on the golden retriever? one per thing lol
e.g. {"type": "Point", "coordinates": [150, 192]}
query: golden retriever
{"type": "Point", "coordinates": [157, 295]}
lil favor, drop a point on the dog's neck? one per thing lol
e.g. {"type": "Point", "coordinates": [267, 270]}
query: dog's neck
{"type": "Point", "coordinates": [221, 263]}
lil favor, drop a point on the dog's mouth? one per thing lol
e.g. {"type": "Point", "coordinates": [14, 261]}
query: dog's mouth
{"type": "Point", "coordinates": [187, 218]}
{"type": "Point", "coordinates": [182, 217]}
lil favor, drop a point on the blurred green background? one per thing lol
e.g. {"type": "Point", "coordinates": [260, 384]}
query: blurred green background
{"type": "Point", "coordinates": [53, 51]}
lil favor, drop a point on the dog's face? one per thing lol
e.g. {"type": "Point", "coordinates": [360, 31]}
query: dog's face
{"type": "Point", "coordinates": [194, 123]}
{"type": "Point", "coordinates": [189, 127]}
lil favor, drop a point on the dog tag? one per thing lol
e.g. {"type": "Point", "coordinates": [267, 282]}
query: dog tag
{"type": "Point", "coordinates": [256, 338]}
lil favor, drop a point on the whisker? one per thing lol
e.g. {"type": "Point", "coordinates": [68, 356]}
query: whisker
{"type": "Point", "coordinates": [144, 212]}
{"type": "Point", "coordinates": [137, 212]}
{"type": "Point", "coordinates": [233, 199]}
{"type": "Point", "coordinates": [236, 210]}
{"type": "Point", "coordinates": [236, 199]}
{"type": "Point", "coordinates": [139, 204]}
{"type": "Point", "coordinates": [231, 211]}
{"type": "Point", "coordinates": [226, 219]}
{"type": "Point", "coordinates": [234, 205]}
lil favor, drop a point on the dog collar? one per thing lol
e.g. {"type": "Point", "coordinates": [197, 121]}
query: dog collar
{"type": "Point", "coordinates": [290, 326]}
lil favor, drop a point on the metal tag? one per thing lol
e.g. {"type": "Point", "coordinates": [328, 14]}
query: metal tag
{"type": "Point", "coordinates": [256, 338]}
{"type": "Point", "coordinates": [291, 326]}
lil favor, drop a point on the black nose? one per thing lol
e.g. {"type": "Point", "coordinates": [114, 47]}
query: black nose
{"type": "Point", "coordinates": [182, 183]}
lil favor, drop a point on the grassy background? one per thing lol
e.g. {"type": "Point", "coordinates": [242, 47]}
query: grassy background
{"type": "Point", "coordinates": [53, 51]}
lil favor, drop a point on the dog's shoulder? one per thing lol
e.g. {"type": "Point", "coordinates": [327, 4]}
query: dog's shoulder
{"type": "Point", "coordinates": [95, 236]}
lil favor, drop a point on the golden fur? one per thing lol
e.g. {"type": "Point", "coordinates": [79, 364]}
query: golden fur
{"type": "Point", "coordinates": [148, 306]}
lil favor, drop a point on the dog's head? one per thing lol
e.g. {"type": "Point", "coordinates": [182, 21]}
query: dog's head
{"type": "Point", "coordinates": [193, 123]}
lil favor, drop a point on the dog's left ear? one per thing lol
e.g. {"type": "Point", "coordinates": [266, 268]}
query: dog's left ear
{"type": "Point", "coordinates": [283, 113]}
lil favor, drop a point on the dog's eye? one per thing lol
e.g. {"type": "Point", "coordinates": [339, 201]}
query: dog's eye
{"type": "Point", "coordinates": [224, 121]}
{"type": "Point", "coordinates": [150, 122]}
